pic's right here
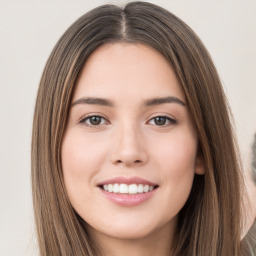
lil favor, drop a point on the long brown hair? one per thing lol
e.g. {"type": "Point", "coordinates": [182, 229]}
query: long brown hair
{"type": "Point", "coordinates": [254, 160]}
{"type": "Point", "coordinates": [209, 223]}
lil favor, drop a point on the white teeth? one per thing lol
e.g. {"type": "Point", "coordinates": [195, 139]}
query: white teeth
{"type": "Point", "coordinates": [146, 188]}
{"type": "Point", "coordinates": [110, 187]}
{"type": "Point", "coordinates": [123, 189]}
{"type": "Point", "coordinates": [133, 189]}
{"type": "Point", "coordinates": [140, 188]}
{"type": "Point", "coordinates": [127, 189]}
{"type": "Point", "coordinates": [116, 188]}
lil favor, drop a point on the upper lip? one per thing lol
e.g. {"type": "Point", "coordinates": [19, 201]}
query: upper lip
{"type": "Point", "coordinates": [127, 180]}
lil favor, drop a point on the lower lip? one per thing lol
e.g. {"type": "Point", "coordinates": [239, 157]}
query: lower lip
{"type": "Point", "coordinates": [128, 200]}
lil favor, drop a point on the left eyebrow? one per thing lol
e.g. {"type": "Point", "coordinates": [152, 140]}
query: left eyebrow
{"type": "Point", "coordinates": [158, 101]}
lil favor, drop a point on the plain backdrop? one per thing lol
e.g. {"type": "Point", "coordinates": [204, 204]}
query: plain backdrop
{"type": "Point", "coordinates": [28, 32]}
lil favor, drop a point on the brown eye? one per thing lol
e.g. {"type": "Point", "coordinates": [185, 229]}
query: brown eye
{"type": "Point", "coordinates": [94, 121]}
{"type": "Point", "coordinates": [162, 121]}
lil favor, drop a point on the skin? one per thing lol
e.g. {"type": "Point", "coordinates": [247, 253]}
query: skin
{"type": "Point", "coordinates": [129, 142]}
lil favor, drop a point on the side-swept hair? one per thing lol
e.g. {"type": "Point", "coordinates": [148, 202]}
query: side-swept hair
{"type": "Point", "coordinates": [209, 223]}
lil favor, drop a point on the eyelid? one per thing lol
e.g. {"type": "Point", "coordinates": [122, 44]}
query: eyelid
{"type": "Point", "coordinates": [172, 120]}
{"type": "Point", "coordinates": [82, 121]}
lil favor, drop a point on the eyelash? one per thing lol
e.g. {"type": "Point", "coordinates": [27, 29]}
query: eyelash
{"type": "Point", "coordinates": [171, 121]}
{"type": "Point", "coordinates": [83, 121]}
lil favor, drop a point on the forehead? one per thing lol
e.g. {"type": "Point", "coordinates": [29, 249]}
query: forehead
{"type": "Point", "coordinates": [126, 70]}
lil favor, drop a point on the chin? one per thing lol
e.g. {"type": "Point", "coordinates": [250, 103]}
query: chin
{"type": "Point", "coordinates": [130, 230]}
{"type": "Point", "coordinates": [131, 233]}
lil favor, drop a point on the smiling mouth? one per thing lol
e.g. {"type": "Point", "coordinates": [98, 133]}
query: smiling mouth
{"type": "Point", "coordinates": [128, 189]}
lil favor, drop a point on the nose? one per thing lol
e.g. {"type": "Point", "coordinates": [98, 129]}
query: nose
{"type": "Point", "coordinates": [129, 148]}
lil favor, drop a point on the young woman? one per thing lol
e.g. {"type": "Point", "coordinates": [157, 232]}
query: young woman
{"type": "Point", "coordinates": [133, 151]}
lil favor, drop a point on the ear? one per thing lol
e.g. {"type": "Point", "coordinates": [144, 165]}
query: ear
{"type": "Point", "coordinates": [199, 164]}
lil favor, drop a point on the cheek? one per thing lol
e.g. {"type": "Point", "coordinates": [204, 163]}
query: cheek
{"type": "Point", "coordinates": [177, 155]}
{"type": "Point", "coordinates": [80, 155]}
{"type": "Point", "coordinates": [81, 159]}
{"type": "Point", "coordinates": [176, 161]}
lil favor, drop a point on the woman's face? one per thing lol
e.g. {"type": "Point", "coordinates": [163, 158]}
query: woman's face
{"type": "Point", "coordinates": [129, 149]}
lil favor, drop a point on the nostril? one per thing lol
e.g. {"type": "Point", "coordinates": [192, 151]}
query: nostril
{"type": "Point", "coordinates": [136, 161]}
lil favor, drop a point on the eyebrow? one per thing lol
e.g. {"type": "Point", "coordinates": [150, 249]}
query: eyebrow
{"type": "Point", "coordinates": [93, 101]}
{"type": "Point", "coordinates": [158, 101]}
{"type": "Point", "coordinates": [147, 103]}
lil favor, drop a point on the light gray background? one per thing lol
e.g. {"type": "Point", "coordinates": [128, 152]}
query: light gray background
{"type": "Point", "coordinates": [28, 32]}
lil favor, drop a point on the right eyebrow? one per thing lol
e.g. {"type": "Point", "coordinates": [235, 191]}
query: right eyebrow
{"type": "Point", "coordinates": [93, 101]}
